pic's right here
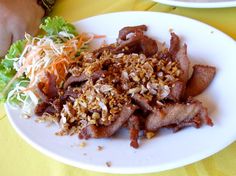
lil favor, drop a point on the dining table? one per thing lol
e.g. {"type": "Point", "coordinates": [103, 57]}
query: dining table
{"type": "Point", "coordinates": [19, 158]}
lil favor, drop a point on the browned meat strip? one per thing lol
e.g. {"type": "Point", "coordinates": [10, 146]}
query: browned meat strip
{"type": "Point", "coordinates": [136, 43]}
{"type": "Point", "coordinates": [93, 131]}
{"type": "Point", "coordinates": [43, 107]}
{"type": "Point", "coordinates": [48, 107]}
{"type": "Point", "coordinates": [83, 77]}
{"type": "Point", "coordinates": [148, 46]}
{"type": "Point", "coordinates": [40, 108]}
{"type": "Point", "coordinates": [200, 79]}
{"type": "Point", "coordinates": [131, 45]}
{"type": "Point", "coordinates": [48, 90]}
{"type": "Point", "coordinates": [69, 93]}
{"type": "Point", "coordinates": [174, 44]}
{"type": "Point", "coordinates": [175, 114]}
{"type": "Point", "coordinates": [142, 102]}
{"type": "Point", "coordinates": [48, 93]}
{"type": "Point", "coordinates": [57, 105]}
{"type": "Point", "coordinates": [42, 95]}
{"type": "Point", "coordinates": [179, 54]}
{"type": "Point", "coordinates": [183, 60]}
{"type": "Point", "coordinates": [74, 79]}
{"type": "Point", "coordinates": [196, 122]}
{"type": "Point", "coordinates": [131, 29]}
{"type": "Point", "coordinates": [176, 92]}
{"type": "Point", "coordinates": [134, 127]}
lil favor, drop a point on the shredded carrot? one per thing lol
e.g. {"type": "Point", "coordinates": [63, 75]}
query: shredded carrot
{"type": "Point", "coordinates": [99, 36]}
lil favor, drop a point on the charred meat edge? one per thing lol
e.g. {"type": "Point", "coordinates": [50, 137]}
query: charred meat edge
{"type": "Point", "coordinates": [175, 114]}
{"type": "Point", "coordinates": [93, 131]}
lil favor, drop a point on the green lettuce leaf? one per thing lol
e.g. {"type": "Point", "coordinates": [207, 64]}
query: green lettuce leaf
{"type": "Point", "coordinates": [5, 77]}
{"type": "Point", "coordinates": [54, 25]}
{"type": "Point", "coordinates": [7, 71]}
{"type": "Point", "coordinates": [14, 52]}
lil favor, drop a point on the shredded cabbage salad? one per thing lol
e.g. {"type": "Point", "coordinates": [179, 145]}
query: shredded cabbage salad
{"type": "Point", "coordinates": [28, 60]}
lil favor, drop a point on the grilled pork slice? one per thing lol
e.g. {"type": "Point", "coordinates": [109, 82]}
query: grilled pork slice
{"type": "Point", "coordinates": [178, 116]}
{"type": "Point", "coordinates": [48, 90]}
{"type": "Point", "coordinates": [179, 54]}
{"type": "Point", "coordinates": [131, 29]}
{"type": "Point", "coordinates": [48, 107]}
{"type": "Point", "coordinates": [201, 78]}
{"type": "Point", "coordinates": [93, 131]}
{"type": "Point", "coordinates": [174, 44]}
{"type": "Point", "coordinates": [183, 60]}
{"type": "Point", "coordinates": [142, 102]}
{"type": "Point", "coordinates": [83, 77]}
{"type": "Point", "coordinates": [176, 91]}
{"type": "Point", "coordinates": [133, 40]}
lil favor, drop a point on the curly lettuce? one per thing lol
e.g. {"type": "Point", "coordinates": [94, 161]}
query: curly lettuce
{"type": "Point", "coordinates": [7, 71]}
{"type": "Point", "coordinates": [52, 26]}
{"type": "Point", "coordinates": [13, 53]}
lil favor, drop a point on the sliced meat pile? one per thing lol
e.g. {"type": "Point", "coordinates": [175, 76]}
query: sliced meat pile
{"type": "Point", "coordinates": [132, 83]}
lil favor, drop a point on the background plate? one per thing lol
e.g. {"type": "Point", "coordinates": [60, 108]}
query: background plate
{"type": "Point", "coordinates": [166, 151]}
{"type": "Point", "coordinates": [199, 3]}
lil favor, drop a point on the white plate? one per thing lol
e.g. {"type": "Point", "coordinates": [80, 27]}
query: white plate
{"type": "Point", "coordinates": [199, 3]}
{"type": "Point", "coordinates": [166, 151]}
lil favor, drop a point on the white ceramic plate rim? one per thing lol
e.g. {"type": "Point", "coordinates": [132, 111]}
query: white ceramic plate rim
{"type": "Point", "coordinates": [185, 161]}
{"type": "Point", "coordinates": [198, 4]}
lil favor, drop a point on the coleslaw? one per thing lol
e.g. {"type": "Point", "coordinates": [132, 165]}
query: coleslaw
{"type": "Point", "coordinates": [28, 61]}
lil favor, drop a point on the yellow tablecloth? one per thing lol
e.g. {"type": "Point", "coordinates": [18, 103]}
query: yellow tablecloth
{"type": "Point", "coordinates": [19, 158]}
